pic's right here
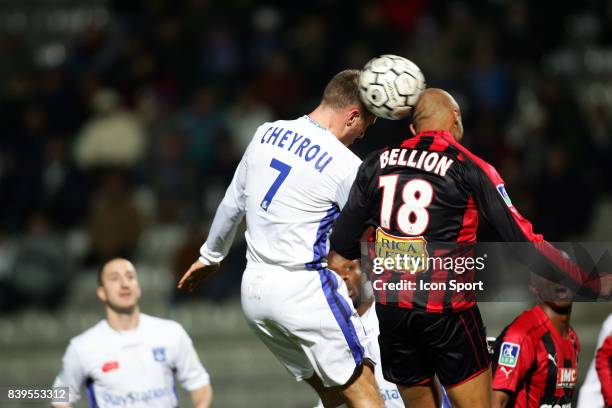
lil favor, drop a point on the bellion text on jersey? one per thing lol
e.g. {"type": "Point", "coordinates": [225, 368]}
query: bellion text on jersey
{"type": "Point", "coordinates": [422, 160]}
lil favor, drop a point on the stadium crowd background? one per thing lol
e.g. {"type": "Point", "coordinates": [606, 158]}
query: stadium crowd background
{"type": "Point", "coordinates": [122, 121]}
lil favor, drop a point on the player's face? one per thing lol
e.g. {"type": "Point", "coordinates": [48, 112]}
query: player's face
{"type": "Point", "coordinates": [356, 126]}
{"type": "Point", "coordinates": [557, 296]}
{"type": "Point", "coordinates": [120, 289]}
{"type": "Point", "coordinates": [351, 274]}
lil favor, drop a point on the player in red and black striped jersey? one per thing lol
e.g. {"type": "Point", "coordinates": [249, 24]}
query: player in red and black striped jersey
{"type": "Point", "coordinates": [536, 356]}
{"type": "Point", "coordinates": [430, 189]}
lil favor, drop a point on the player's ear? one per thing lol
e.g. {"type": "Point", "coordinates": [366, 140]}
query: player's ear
{"type": "Point", "coordinates": [353, 115]}
{"type": "Point", "coordinates": [412, 129]}
{"type": "Point", "coordinates": [457, 117]}
{"type": "Point", "coordinates": [101, 294]}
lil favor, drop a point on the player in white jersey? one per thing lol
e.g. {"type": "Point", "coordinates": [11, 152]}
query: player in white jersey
{"type": "Point", "coordinates": [291, 183]}
{"type": "Point", "coordinates": [360, 292]}
{"type": "Point", "coordinates": [131, 359]}
{"type": "Point", "coordinates": [591, 391]}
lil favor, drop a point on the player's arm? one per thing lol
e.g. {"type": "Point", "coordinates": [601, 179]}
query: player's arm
{"type": "Point", "coordinates": [346, 235]}
{"type": "Point", "coordinates": [512, 359]}
{"type": "Point", "coordinates": [227, 218]}
{"type": "Point", "coordinates": [603, 365]}
{"type": "Point", "coordinates": [191, 373]}
{"type": "Point", "coordinates": [488, 190]}
{"type": "Point", "coordinates": [202, 397]}
{"type": "Point", "coordinates": [71, 376]}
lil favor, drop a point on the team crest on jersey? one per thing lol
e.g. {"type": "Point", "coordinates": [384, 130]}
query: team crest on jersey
{"type": "Point", "coordinates": [501, 189]}
{"type": "Point", "coordinates": [410, 251]}
{"type": "Point", "coordinates": [508, 355]}
{"type": "Point", "coordinates": [159, 354]}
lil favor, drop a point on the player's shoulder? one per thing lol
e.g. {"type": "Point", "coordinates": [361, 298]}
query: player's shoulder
{"type": "Point", "coordinates": [373, 158]}
{"type": "Point", "coordinates": [472, 161]}
{"type": "Point", "coordinates": [160, 326]}
{"type": "Point", "coordinates": [159, 323]}
{"type": "Point", "coordinates": [348, 157]}
{"type": "Point", "coordinates": [527, 325]}
{"type": "Point", "coordinates": [93, 335]}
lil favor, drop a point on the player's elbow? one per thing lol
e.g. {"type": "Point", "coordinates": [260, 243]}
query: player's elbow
{"type": "Point", "coordinates": [202, 397]}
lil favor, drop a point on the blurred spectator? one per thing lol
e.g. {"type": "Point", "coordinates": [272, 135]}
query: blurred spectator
{"type": "Point", "coordinates": [279, 86]}
{"type": "Point", "coordinates": [40, 270]}
{"type": "Point", "coordinates": [203, 122]}
{"type": "Point", "coordinates": [114, 137]}
{"type": "Point", "coordinates": [244, 117]}
{"type": "Point", "coordinates": [64, 190]}
{"type": "Point", "coordinates": [114, 223]}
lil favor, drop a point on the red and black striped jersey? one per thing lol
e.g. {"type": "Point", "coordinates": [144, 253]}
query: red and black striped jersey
{"type": "Point", "coordinates": [429, 190]}
{"type": "Point", "coordinates": [534, 363]}
{"type": "Point", "coordinates": [603, 365]}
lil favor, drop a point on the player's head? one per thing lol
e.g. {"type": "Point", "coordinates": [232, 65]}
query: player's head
{"type": "Point", "coordinates": [351, 117]}
{"type": "Point", "coordinates": [555, 295]}
{"type": "Point", "coordinates": [118, 286]}
{"type": "Point", "coordinates": [352, 276]}
{"type": "Point", "coordinates": [436, 109]}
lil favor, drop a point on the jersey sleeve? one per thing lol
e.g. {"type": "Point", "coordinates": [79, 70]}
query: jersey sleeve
{"type": "Point", "coordinates": [351, 222]}
{"type": "Point", "coordinates": [513, 359]}
{"type": "Point", "coordinates": [189, 370]}
{"type": "Point", "coordinates": [489, 192]}
{"type": "Point", "coordinates": [229, 214]}
{"type": "Point", "coordinates": [71, 374]}
{"type": "Point", "coordinates": [603, 365]}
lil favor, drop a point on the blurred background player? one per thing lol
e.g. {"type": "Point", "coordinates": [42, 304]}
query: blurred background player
{"type": "Point", "coordinates": [536, 356]}
{"type": "Point", "coordinates": [598, 382]}
{"type": "Point", "coordinates": [291, 183]}
{"type": "Point", "coordinates": [437, 202]}
{"type": "Point", "coordinates": [360, 291]}
{"type": "Point", "coordinates": [130, 358]}
{"type": "Point", "coordinates": [603, 364]}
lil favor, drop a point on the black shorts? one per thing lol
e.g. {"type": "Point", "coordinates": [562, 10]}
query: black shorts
{"type": "Point", "coordinates": [415, 345]}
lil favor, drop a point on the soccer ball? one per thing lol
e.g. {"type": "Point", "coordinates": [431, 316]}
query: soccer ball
{"type": "Point", "coordinates": [390, 86]}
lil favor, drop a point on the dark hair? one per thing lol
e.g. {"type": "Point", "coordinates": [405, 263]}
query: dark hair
{"type": "Point", "coordinates": [343, 91]}
{"type": "Point", "coordinates": [103, 265]}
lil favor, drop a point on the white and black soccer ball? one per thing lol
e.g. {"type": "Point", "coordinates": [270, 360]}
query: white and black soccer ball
{"type": "Point", "coordinates": [390, 86]}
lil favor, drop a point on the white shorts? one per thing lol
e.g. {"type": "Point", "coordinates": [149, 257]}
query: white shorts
{"type": "Point", "coordinates": [306, 318]}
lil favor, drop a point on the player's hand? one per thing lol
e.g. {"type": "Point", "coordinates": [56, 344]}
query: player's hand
{"type": "Point", "coordinates": [196, 273]}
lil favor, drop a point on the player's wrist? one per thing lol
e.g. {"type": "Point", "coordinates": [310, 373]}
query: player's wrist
{"type": "Point", "coordinates": [205, 261]}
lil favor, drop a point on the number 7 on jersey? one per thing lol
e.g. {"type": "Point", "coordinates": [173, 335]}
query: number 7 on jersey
{"type": "Point", "coordinates": [284, 170]}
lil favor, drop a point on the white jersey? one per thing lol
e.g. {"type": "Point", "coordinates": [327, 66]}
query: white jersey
{"type": "Point", "coordinates": [590, 393]}
{"type": "Point", "coordinates": [388, 390]}
{"type": "Point", "coordinates": [292, 181]}
{"type": "Point", "coordinates": [133, 368]}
